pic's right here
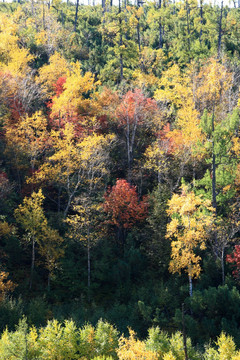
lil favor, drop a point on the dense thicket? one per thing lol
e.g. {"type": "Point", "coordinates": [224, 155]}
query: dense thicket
{"type": "Point", "coordinates": [119, 166]}
{"type": "Point", "coordinates": [103, 342]}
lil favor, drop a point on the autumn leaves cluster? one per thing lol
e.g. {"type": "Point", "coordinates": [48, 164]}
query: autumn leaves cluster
{"type": "Point", "coordinates": [92, 152]}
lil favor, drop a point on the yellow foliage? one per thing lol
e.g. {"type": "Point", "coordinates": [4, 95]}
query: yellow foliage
{"type": "Point", "coordinates": [226, 347]}
{"type": "Point", "coordinates": [169, 356]}
{"type": "Point", "coordinates": [189, 133]}
{"type": "Point", "coordinates": [75, 163]}
{"type": "Point", "coordinates": [214, 81]}
{"type": "Point", "coordinates": [50, 73]}
{"type": "Point", "coordinates": [83, 224]}
{"type": "Point", "coordinates": [71, 156]}
{"type": "Point", "coordinates": [134, 349]}
{"type": "Point", "coordinates": [141, 79]}
{"type": "Point", "coordinates": [13, 58]}
{"type": "Point", "coordinates": [191, 216]}
{"type": "Point", "coordinates": [236, 146]}
{"type": "Point", "coordinates": [6, 229]}
{"type": "Point", "coordinates": [29, 136]}
{"type": "Point", "coordinates": [30, 214]}
{"type": "Point", "coordinates": [236, 356]}
{"type": "Point", "coordinates": [173, 87]}
{"type": "Point", "coordinates": [75, 87]}
{"type": "Point", "coordinates": [155, 156]}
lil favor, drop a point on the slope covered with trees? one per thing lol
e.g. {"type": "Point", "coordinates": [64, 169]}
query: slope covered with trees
{"type": "Point", "coordinates": [120, 172]}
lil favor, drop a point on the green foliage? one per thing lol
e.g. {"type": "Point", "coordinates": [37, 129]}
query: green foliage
{"type": "Point", "coordinates": [106, 337]}
{"type": "Point", "coordinates": [11, 311]}
{"type": "Point", "coordinates": [64, 131]}
{"type": "Point", "coordinates": [158, 341]}
{"type": "Point", "coordinates": [212, 309]}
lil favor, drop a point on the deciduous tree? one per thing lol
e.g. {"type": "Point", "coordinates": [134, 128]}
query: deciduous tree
{"type": "Point", "coordinates": [33, 220]}
{"type": "Point", "coordinates": [123, 207]}
{"type": "Point", "coordinates": [191, 217]}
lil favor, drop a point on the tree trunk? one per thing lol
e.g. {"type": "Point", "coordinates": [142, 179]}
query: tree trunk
{"type": "Point", "coordinates": [223, 268]}
{"type": "Point", "coordinates": [160, 35]}
{"type": "Point", "coordinates": [26, 342]}
{"type": "Point", "coordinates": [88, 263]}
{"type": "Point", "coordinates": [33, 263]}
{"type": "Point", "coordinates": [220, 31]}
{"type": "Point", "coordinates": [89, 259]}
{"type": "Point", "coordinates": [43, 15]}
{"type": "Point", "coordinates": [160, 28]}
{"type": "Point", "coordinates": [214, 201]}
{"type": "Point", "coordinates": [103, 6]}
{"type": "Point", "coordinates": [121, 59]}
{"type": "Point", "coordinates": [188, 28]}
{"type": "Point", "coordinates": [62, 18]}
{"type": "Point", "coordinates": [190, 285]}
{"type": "Point", "coordinates": [49, 282]}
{"type": "Point", "coordinates": [138, 36]}
{"type": "Point", "coordinates": [120, 41]}
{"type": "Point", "coordinates": [76, 16]}
{"type": "Point", "coordinates": [184, 333]}
{"type": "Point", "coordinates": [59, 200]}
{"type": "Point", "coordinates": [201, 16]}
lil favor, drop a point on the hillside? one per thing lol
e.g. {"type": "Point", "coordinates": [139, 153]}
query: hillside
{"type": "Point", "coordinates": [119, 166]}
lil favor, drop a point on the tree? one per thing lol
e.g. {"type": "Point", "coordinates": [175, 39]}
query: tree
{"type": "Point", "coordinates": [51, 249]}
{"type": "Point", "coordinates": [135, 112]}
{"type": "Point", "coordinates": [31, 217]}
{"type": "Point", "coordinates": [191, 217]}
{"type": "Point", "coordinates": [84, 227]}
{"type": "Point", "coordinates": [29, 137]}
{"type": "Point", "coordinates": [74, 104]}
{"type": "Point", "coordinates": [123, 207]}
{"type": "Point", "coordinates": [119, 30]}
{"type": "Point", "coordinates": [75, 163]}
{"type": "Point", "coordinates": [51, 72]}
{"type": "Point", "coordinates": [134, 349]}
{"type": "Point", "coordinates": [215, 83]}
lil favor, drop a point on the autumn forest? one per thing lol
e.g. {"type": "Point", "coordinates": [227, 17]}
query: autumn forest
{"type": "Point", "coordinates": [119, 180]}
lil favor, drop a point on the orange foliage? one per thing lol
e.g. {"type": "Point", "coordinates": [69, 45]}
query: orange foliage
{"type": "Point", "coordinates": [122, 205]}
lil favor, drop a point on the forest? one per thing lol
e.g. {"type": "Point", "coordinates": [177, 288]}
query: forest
{"type": "Point", "coordinates": [119, 180]}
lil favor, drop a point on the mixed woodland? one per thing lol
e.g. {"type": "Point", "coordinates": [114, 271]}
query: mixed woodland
{"type": "Point", "coordinates": [119, 180]}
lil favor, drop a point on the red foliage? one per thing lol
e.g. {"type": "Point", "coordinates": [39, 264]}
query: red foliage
{"type": "Point", "coordinates": [58, 87]}
{"type": "Point", "coordinates": [103, 123]}
{"type": "Point", "coordinates": [167, 142]}
{"type": "Point", "coordinates": [234, 259]}
{"type": "Point", "coordinates": [122, 205]}
{"type": "Point", "coordinates": [16, 109]}
{"type": "Point", "coordinates": [135, 107]}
